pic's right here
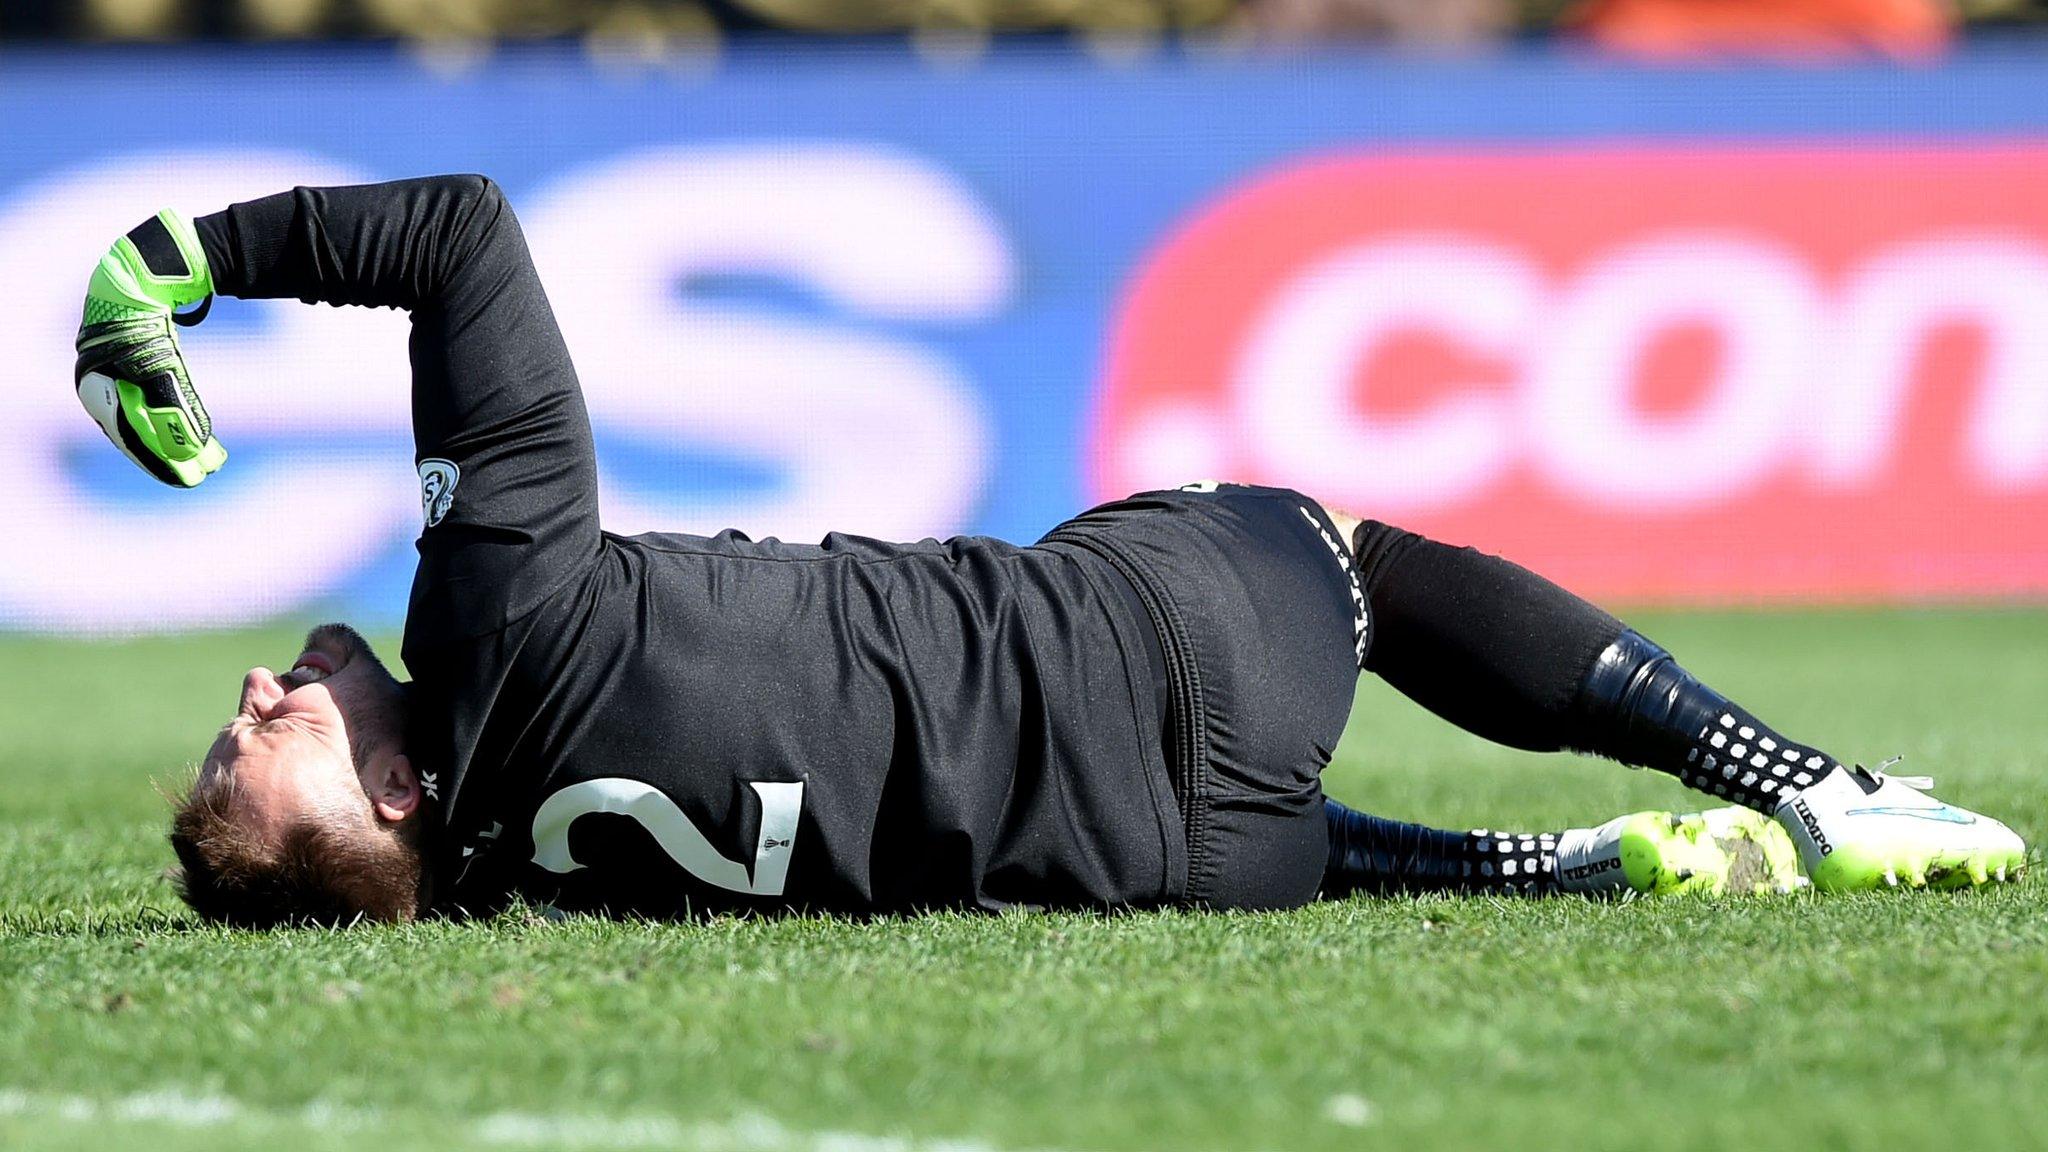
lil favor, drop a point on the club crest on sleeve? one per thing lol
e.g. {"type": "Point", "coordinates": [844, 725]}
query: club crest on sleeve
{"type": "Point", "coordinates": [437, 488]}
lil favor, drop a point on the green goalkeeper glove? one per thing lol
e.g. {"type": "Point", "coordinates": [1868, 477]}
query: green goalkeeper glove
{"type": "Point", "coordinates": [131, 375]}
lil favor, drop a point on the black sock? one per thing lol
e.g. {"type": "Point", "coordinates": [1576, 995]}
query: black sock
{"type": "Point", "coordinates": [1381, 857]}
{"type": "Point", "coordinates": [1502, 652]}
{"type": "Point", "coordinates": [1642, 708]}
{"type": "Point", "coordinates": [1486, 644]}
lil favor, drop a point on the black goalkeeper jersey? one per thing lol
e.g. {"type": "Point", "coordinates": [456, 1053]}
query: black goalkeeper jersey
{"type": "Point", "coordinates": [665, 723]}
{"type": "Point", "coordinates": [690, 723]}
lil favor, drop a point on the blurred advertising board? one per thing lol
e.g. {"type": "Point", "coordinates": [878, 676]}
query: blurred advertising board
{"type": "Point", "coordinates": [1671, 337]}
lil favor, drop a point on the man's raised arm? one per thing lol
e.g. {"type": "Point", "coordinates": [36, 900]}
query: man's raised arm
{"type": "Point", "coordinates": [502, 441]}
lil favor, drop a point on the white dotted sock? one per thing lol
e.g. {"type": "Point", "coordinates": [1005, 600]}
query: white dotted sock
{"type": "Point", "coordinates": [1524, 863]}
{"type": "Point", "coordinates": [1736, 757]}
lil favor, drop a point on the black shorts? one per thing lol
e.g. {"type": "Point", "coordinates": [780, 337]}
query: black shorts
{"type": "Point", "coordinates": [1261, 622]}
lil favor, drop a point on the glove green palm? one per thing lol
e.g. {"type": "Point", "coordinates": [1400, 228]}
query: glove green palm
{"type": "Point", "coordinates": [131, 375]}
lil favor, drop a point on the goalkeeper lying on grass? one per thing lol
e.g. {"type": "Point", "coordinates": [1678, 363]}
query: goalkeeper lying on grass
{"type": "Point", "coordinates": [1132, 712]}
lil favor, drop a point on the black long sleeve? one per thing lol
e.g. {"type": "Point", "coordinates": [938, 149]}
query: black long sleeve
{"type": "Point", "coordinates": [502, 441]}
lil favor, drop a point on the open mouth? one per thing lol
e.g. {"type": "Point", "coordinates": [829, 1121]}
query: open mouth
{"type": "Point", "coordinates": [312, 667]}
{"type": "Point", "coordinates": [329, 649]}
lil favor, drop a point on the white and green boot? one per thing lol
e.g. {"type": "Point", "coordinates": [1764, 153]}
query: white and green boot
{"type": "Point", "coordinates": [131, 374]}
{"type": "Point", "coordinates": [1726, 851]}
{"type": "Point", "coordinates": [1856, 829]}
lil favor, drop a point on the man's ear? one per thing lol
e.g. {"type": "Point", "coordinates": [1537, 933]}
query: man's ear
{"type": "Point", "coordinates": [393, 787]}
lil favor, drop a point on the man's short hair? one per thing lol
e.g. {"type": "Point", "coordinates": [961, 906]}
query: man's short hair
{"type": "Point", "coordinates": [321, 871]}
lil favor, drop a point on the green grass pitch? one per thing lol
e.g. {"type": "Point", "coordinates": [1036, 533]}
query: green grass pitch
{"type": "Point", "coordinates": [1896, 1020]}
